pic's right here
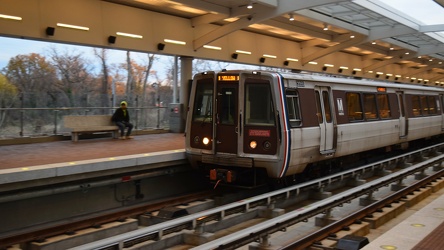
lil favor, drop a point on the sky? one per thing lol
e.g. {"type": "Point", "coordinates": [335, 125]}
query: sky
{"type": "Point", "coordinates": [425, 11]}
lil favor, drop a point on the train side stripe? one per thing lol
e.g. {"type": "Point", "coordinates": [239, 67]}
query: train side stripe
{"type": "Point", "coordinates": [286, 131]}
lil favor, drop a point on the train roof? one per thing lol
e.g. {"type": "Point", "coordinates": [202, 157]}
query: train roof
{"type": "Point", "coordinates": [342, 80]}
{"type": "Point", "coordinates": [354, 81]}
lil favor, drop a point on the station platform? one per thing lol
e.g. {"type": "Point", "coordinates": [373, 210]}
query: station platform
{"type": "Point", "coordinates": [34, 154]}
{"type": "Point", "coordinates": [423, 229]}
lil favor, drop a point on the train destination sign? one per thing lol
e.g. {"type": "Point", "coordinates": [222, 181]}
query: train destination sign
{"type": "Point", "coordinates": [259, 132]}
{"type": "Point", "coordinates": [227, 78]}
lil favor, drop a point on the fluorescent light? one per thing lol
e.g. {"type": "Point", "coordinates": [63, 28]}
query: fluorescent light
{"type": "Point", "coordinates": [329, 65]}
{"type": "Point", "coordinates": [243, 52]}
{"type": "Point", "coordinates": [388, 74]}
{"type": "Point", "coordinates": [174, 41]}
{"type": "Point", "coordinates": [370, 71]}
{"type": "Point", "coordinates": [129, 35]}
{"type": "Point", "coordinates": [343, 67]}
{"type": "Point", "coordinates": [269, 56]}
{"type": "Point", "coordinates": [380, 73]}
{"type": "Point", "coordinates": [70, 26]}
{"type": "Point", "coordinates": [397, 75]}
{"type": "Point", "coordinates": [312, 63]}
{"type": "Point", "coordinates": [356, 69]}
{"type": "Point", "coordinates": [212, 47]}
{"type": "Point", "coordinates": [292, 59]}
{"type": "Point", "coordinates": [10, 17]}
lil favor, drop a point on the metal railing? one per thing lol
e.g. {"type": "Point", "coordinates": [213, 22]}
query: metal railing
{"type": "Point", "coordinates": [20, 122]}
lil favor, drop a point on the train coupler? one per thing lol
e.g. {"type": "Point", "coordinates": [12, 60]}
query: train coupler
{"type": "Point", "coordinates": [225, 175]}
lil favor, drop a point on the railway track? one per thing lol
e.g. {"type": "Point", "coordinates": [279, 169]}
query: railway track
{"type": "Point", "coordinates": [254, 220]}
{"type": "Point", "coordinates": [258, 219]}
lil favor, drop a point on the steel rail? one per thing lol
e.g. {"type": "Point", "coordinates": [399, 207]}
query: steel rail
{"type": "Point", "coordinates": [325, 231]}
{"type": "Point", "coordinates": [42, 232]}
{"type": "Point", "coordinates": [279, 223]}
{"type": "Point", "coordinates": [192, 221]}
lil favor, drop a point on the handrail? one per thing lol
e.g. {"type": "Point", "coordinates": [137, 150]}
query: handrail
{"type": "Point", "coordinates": [47, 121]}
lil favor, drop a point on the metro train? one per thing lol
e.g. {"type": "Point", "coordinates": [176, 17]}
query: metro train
{"type": "Point", "coordinates": [251, 126]}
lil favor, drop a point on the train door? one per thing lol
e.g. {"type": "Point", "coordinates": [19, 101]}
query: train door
{"type": "Point", "coordinates": [441, 98]}
{"type": "Point", "coordinates": [226, 117]}
{"type": "Point", "coordinates": [402, 118]}
{"type": "Point", "coordinates": [325, 118]}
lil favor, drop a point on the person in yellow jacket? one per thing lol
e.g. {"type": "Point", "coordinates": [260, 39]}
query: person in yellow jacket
{"type": "Point", "coordinates": [121, 118]}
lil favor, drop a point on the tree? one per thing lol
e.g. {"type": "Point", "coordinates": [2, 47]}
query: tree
{"type": "Point", "coordinates": [34, 77]}
{"type": "Point", "coordinates": [8, 95]}
{"type": "Point", "coordinates": [76, 81]}
{"type": "Point", "coordinates": [102, 55]}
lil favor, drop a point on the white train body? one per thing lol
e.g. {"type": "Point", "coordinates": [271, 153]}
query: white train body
{"type": "Point", "coordinates": [280, 123]}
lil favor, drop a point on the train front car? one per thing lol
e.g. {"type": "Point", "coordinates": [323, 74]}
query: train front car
{"type": "Point", "coordinates": [236, 130]}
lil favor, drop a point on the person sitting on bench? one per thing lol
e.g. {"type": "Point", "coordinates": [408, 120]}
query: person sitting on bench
{"type": "Point", "coordinates": [121, 118]}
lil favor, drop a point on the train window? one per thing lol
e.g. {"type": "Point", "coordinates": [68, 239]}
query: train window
{"type": "Point", "coordinates": [384, 106]}
{"type": "Point", "coordinates": [258, 104]}
{"type": "Point", "coordinates": [318, 108]}
{"type": "Point", "coordinates": [203, 102]}
{"type": "Point", "coordinates": [370, 107]}
{"type": "Point", "coordinates": [294, 113]}
{"type": "Point", "coordinates": [227, 97]}
{"type": "Point", "coordinates": [432, 105]}
{"type": "Point", "coordinates": [354, 108]}
{"type": "Point", "coordinates": [416, 106]}
{"type": "Point", "coordinates": [327, 108]}
{"type": "Point", "coordinates": [424, 106]}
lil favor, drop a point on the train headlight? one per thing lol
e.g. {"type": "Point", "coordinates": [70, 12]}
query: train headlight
{"type": "Point", "coordinates": [253, 144]}
{"type": "Point", "coordinates": [267, 145]}
{"type": "Point", "coordinates": [205, 140]}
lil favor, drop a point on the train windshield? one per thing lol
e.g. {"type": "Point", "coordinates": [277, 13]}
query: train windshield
{"type": "Point", "coordinates": [203, 101]}
{"type": "Point", "coordinates": [258, 103]}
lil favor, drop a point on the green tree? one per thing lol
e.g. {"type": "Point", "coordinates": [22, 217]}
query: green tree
{"type": "Point", "coordinates": [34, 77]}
{"type": "Point", "coordinates": [8, 95]}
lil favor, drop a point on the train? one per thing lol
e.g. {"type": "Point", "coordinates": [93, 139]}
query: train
{"type": "Point", "coordinates": [247, 127]}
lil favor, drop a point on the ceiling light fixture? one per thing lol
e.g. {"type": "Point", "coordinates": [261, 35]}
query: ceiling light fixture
{"type": "Point", "coordinates": [374, 42]}
{"type": "Point", "coordinates": [250, 5]}
{"type": "Point", "coordinates": [269, 56]}
{"type": "Point", "coordinates": [325, 26]}
{"type": "Point", "coordinates": [212, 47]}
{"type": "Point", "coordinates": [70, 26]}
{"type": "Point", "coordinates": [174, 41]}
{"type": "Point", "coordinates": [129, 35]}
{"type": "Point", "coordinates": [291, 17]}
{"type": "Point", "coordinates": [243, 52]}
{"type": "Point", "coordinates": [292, 59]}
{"type": "Point", "coordinates": [10, 17]}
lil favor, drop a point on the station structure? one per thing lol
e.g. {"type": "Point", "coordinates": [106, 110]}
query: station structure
{"type": "Point", "coordinates": [359, 38]}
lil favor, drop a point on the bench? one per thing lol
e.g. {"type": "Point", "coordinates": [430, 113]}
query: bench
{"type": "Point", "coordinates": [88, 124]}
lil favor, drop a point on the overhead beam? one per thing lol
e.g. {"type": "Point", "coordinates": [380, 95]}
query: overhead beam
{"type": "Point", "coordinates": [332, 49]}
{"type": "Point", "coordinates": [257, 16]}
{"type": "Point", "coordinates": [423, 69]}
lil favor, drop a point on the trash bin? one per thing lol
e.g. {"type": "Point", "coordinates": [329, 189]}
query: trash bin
{"type": "Point", "coordinates": [177, 118]}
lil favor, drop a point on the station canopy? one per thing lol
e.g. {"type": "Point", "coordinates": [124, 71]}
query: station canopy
{"type": "Point", "coordinates": [377, 32]}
